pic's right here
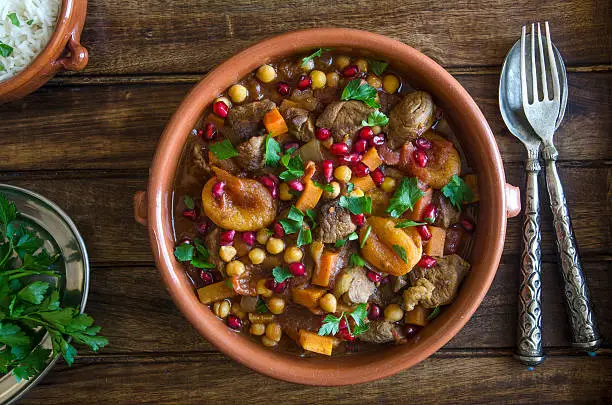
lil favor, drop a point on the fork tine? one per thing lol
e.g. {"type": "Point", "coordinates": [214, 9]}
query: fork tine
{"type": "Point", "coordinates": [523, 69]}
{"type": "Point", "coordinates": [542, 65]}
{"type": "Point", "coordinates": [534, 84]}
{"type": "Point", "coordinates": [553, 65]}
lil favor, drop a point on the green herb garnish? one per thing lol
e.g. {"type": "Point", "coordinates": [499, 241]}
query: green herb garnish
{"type": "Point", "coordinates": [356, 205]}
{"type": "Point", "coordinates": [401, 252]}
{"type": "Point", "coordinates": [434, 313]}
{"type": "Point", "coordinates": [457, 191]}
{"type": "Point", "coordinates": [356, 260]}
{"type": "Point", "coordinates": [350, 187]}
{"type": "Point", "coordinates": [293, 222]}
{"type": "Point", "coordinates": [355, 90]}
{"type": "Point", "coordinates": [325, 187]}
{"type": "Point", "coordinates": [261, 307]}
{"type": "Point", "coordinates": [196, 255]}
{"type": "Point", "coordinates": [312, 215]}
{"type": "Point", "coordinates": [223, 150]}
{"type": "Point", "coordinates": [331, 323]}
{"type": "Point", "coordinates": [313, 55]}
{"type": "Point", "coordinates": [404, 197]}
{"type": "Point", "coordinates": [189, 203]}
{"type": "Point", "coordinates": [342, 242]}
{"type": "Point", "coordinates": [366, 236]}
{"type": "Point", "coordinates": [14, 19]}
{"type": "Point", "coordinates": [29, 22]}
{"type": "Point", "coordinates": [294, 166]}
{"type": "Point", "coordinates": [272, 152]}
{"type": "Point", "coordinates": [375, 118]}
{"type": "Point", "coordinates": [5, 50]}
{"type": "Point", "coordinates": [281, 274]}
{"type": "Point", "coordinates": [304, 237]}
{"type": "Point", "coordinates": [408, 224]}
{"type": "Point", "coordinates": [377, 66]}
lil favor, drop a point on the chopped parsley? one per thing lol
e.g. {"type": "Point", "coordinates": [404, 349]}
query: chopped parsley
{"type": "Point", "coordinates": [189, 203]}
{"type": "Point", "coordinates": [196, 255]}
{"type": "Point", "coordinates": [312, 215]}
{"type": "Point", "coordinates": [404, 197]}
{"type": "Point", "coordinates": [408, 224]}
{"type": "Point", "coordinates": [261, 307]}
{"type": "Point", "coordinates": [331, 323]}
{"type": "Point", "coordinates": [223, 150]}
{"type": "Point", "coordinates": [457, 191]}
{"type": "Point", "coordinates": [14, 19]}
{"type": "Point", "coordinates": [401, 252]}
{"type": "Point", "coordinates": [356, 260]}
{"type": "Point", "coordinates": [325, 187]}
{"type": "Point", "coordinates": [295, 223]}
{"type": "Point", "coordinates": [366, 235]}
{"type": "Point", "coordinates": [294, 166]}
{"type": "Point", "coordinates": [357, 205]}
{"type": "Point", "coordinates": [375, 118]}
{"type": "Point", "coordinates": [304, 237]}
{"type": "Point", "coordinates": [342, 242]}
{"type": "Point", "coordinates": [313, 55]}
{"type": "Point", "coordinates": [5, 50]}
{"type": "Point", "coordinates": [281, 274]}
{"type": "Point", "coordinates": [355, 90]}
{"type": "Point", "coordinates": [377, 66]}
{"type": "Point", "coordinates": [272, 153]}
{"type": "Point", "coordinates": [29, 22]}
{"type": "Point", "coordinates": [434, 313]}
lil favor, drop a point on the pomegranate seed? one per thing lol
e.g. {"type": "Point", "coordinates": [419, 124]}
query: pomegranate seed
{"type": "Point", "coordinates": [190, 214]}
{"type": "Point", "coordinates": [328, 170]}
{"type": "Point", "coordinates": [218, 189]}
{"type": "Point", "coordinates": [323, 134]}
{"type": "Point", "coordinates": [420, 158]}
{"type": "Point", "coordinates": [227, 237]}
{"type": "Point", "coordinates": [374, 312]}
{"type": "Point", "coordinates": [339, 148]}
{"type": "Point", "coordinates": [373, 276]}
{"type": "Point", "coordinates": [424, 232]}
{"type": "Point", "coordinates": [427, 262]}
{"type": "Point", "coordinates": [202, 227]}
{"type": "Point", "coordinates": [350, 71]}
{"type": "Point", "coordinates": [270, 284]}
{"type": "Point", "coordinates": [185, 240]}
{"type": "Point", "coordinates": [206, 277]}
{"type": "Point", "coordinates": [280, 287]}
{"type": "Point", "coordinates": [430, 213]}
{"type": "Point", "coordinates": [346, 335]}
{"type": "Point", "coordinates": [221, 109]}
{"type": "Point", "coordinates": [273, 178]}
{"type": "Point", "coordinates": [279, 231]}
{"type": "Point", "coordinates": [248, 238]}
{"type": "Point", "coordinates": [422, 143]}
{"type": "Point", "coordinates": [295, 185]}
{"type": "Point", "coordinates": [304, 82]}
{"type": "Point", "coordinates": [283, 88]}
{"type": "Point", "coordinates": [297, 269]}
{"type": "Point", "coordinates": [342, 324]}
{"type": "Point", "coordinates": [411, 330]}
{"type": "Point", "coordinates": [385, 280]}
{"type": "Point", "coordinates": [290, 145]}
{"type": "Point", "coordinates": [360, 169]}
{"type": "Point", "coordinates": [467, 225]}
{"type": "Point", "coordinates": [234, 322]}
{"type": "Point", "coordinates": [366, 133]}
{"type": "Point", "coordinates": [377, 140]}
{"type": "Point", "coordinates": [200, 133]}
{"type": "Point", "coordinates": [377, 176]}
{"type": "Point", "coordinates": [358, 219]}
{"type": "Point", "coordinates": [210, 131]}
{"type": "Point", "coordinates": [360, 146]}
{"type": "Point", "coordinates": [350, 158]}
{"type": "Point", "coordinates": [270, 183]}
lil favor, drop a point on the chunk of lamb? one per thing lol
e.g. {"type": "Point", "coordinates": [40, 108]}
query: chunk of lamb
{"type": "Point", "coordinates": [360, 289]}
{"type": "Point", "coordinates": [334, 223]}
{"type": "Point", "coordinates": [300, 123]}
{"type": "Point", "coordinates": [343, 118]}
{"type": "Point", "coordinates": [410, 118]}
{"type": "Point", "coordinates": [446, 276]}
{"type": "Point", "coordinates": [380, 332]}
{"type": "Point", "coordinates": [245, 121]}
{"type": "Point", "coordinates": [447, 213]}
{"type": "Point", "coordinates": [199, 153]}
{"type": "Point", "coordinates": [251, 153]}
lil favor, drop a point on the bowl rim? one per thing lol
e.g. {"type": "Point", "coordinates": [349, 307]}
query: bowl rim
{"type": "Point", "coordinates": [317, 371]}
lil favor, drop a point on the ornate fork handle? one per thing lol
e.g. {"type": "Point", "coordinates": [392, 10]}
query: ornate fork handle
{"type": "Point", "coordinates": [529, 332]}
{"type": "Point", "coordinates": [585, 334]}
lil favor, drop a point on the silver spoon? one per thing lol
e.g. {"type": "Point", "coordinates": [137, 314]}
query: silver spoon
{"type": "Point", "coordinates": [529, 332]}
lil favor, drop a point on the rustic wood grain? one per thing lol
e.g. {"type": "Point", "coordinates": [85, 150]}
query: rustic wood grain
{"type": "Point", "coordinates": [194, 36]}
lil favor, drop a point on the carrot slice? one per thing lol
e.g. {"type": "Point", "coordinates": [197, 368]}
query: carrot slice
{"type": "Point", "coordinates": [419, 207]}
{"type": "Point", "coordinates": [308, 297]}
{"type": "Point", "coordinates": [435, 246]}
{"type": "Point", "coordinates": [311, 194]}
{"type": "Point", "coordinates": [315, 343]}
{"type": "Point", "coordinates": [418, 316]}
{"type": "Point", "coordinates": [274, 122]}
{"type": "Point", "coordinates": [215, 292]}
{"type": "Point", "coordinates": [364, 183]}
{"type": "Point", "coordinates": [371, 159]}
{"type": "Point", "coordinates": [326, 267]}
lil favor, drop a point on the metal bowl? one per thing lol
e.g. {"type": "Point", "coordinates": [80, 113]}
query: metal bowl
{"type": "Point", "coordinates": [61, 236]}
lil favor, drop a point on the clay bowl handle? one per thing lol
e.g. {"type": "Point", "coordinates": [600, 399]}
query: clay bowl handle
{"type": "Point", "coordinates": [77, 58]}
{"type": "Point", "coordinates": [513, 201]}
{"type": "Point", "coordinates": [140, 207]}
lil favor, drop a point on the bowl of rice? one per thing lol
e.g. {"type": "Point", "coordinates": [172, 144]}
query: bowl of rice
{"type": "Point", "coordinates": [38, 38]}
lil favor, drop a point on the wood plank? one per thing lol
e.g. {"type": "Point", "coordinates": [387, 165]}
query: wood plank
{"type": "Point", "coordinates": [196, 379]}
{"type": "Point", "coordinates": [194, 36]}
{"type": "Point", "coordinates": [117, 126]}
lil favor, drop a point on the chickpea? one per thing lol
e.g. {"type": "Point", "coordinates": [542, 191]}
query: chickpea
{"type": "Point", "coordinates": [222, 308]}
{"type": "Point", "coordinates": [235, 268]}
{"type": "Point", "coordinates": [266, 73]}
{"type": "Point", "coordinates": [308, 66]}
{"type": "Point", "coordinates": [328, 303]}
{"type": "Point", "coordinates": [262, 236]}
{"type": "Point", "coordinates": [343, 174]}
{"type": "Point", "coordinates": [257, 255]}
{"type": "Point", "coordinates": [266, 341]}
{"type": "Point", "coordinates": [362, 64]}
{"type": "Point", "coordinates": [376, 129]}
{"type": "Point", "coordinates": [227, 253]}
{"type": "Point", "coordinates": [276, 305]}
{"type": "Point", "coordinates": [388, 185]}
{"type": "Point", "coordinates": [284, 193]}
{"type": "Point", "coordinates": [274, 331]}
{"type": "Point", "coordinates": [342, 61]}
{"type": "Point", "coordinates": [357, 193]}
{"type": "Point", "coordinates": [318, 79]}
{"type": "Point", "coordinates": [293, 254]}
{"type": "Point", "coordinates": [238, 93]}
{"type": "Point", "coordinates": [262, 289]}
{"type": "Point", "coordinates": [330, 195]}
{"type": "Point", "coordinates": [275, 246]}
{"type": "Point", "coordinates": [374, 81]}
{"type": "Point", "coordinates": [224, 100]}
{"type": "Point", "coordinates": [237, 310]}
{"type": "Point", "coordinates": [390, 84]}
{"type": "Point", "coordinates": [332, 79]}
{"type": "Point", "coordinates": [394, 313]}
{"type": "Point", "coordinates": [257, 329]}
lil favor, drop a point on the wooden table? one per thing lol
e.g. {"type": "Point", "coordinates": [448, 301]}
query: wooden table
{"type": "Point", "coordinates": [86, 141]}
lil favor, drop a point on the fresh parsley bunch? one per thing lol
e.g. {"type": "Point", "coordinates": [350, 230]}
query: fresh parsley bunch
{"type": "Point", "coordinates": [30, 307]}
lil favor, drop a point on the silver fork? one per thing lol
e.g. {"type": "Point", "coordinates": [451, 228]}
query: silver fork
{"type": "Point", "coordinates": [542, 115]}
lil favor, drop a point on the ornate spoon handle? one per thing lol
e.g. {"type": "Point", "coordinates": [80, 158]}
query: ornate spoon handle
{"type": "Point", "coordinates": [585, 334]}
{"type": "Point", "coordinates": [529, 332]}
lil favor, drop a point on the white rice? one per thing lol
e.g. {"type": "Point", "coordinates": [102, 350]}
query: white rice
{"type": "Point", "coordinates": [27, 40]}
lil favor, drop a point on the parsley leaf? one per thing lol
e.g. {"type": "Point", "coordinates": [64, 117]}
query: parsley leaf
{"type": "Point", "coordinates": [293, 222]}
{"type": "Point", "coordinates": [342, 242]}
{"type": "Point", "coordinates": [294, 166]}
{"type": "Point", "coordinates": [407, 224]}
{"type": "Point", "coordinates": [5, 50]}
{"type": "Point", "coordinates": [404, 197]}
{"type": "Point", "coordinates": [304, 237]}
{"type": "Point", "coordinates": [360, 314]}
{"type": "Point", "coordinates": [261, 307]}
{"type": "Point", "coordinates": [375, 118]}
{"type": "Point", "coordinates": [434, 313]}
{"type": "Point", "coordinates": [184, 252]}
{"type": "Point", "coordinates": [312, 215]}
{"type": "Point", "coordinates": [355, 90]}
{"type": "Point", "coordinates": [189, 203]}
{"type": "Point", "coordinates": [366, 236]}
{"type": "Point", "coordinates": [281, 274]}
{"type": "Point", "coordinates": [295, 214]}
{"type": "Point", "coordinates": [196, 256]}
{"type": "Point", "coordinates": [377, 66]}
{"type": "Point", "coordinates": [223, 150]}
{"type": "Point", "coordinates": [29, 22]}
{"type": "Point", "coordinates": [357, 205]}
{"type": "Point", "coordinates": [457, 191]}
{"type": "Point", "coordinates": [356, 260]}
{"type": "Point", "coordinates": [14, 19]}
{"type": "Point", "coordinates": [401, 252]}
{"type": "Point", "coordinates": [325, 187]}
{"type": "Point", "coordinates": [313, 55]}
{"type": "Point", "coordinates": [273, 151]}
{"type": "Point", "coordinates": [34, 293]}
{"type": "Point", "coordinates": [8, 213]}
{"type": "Point", "coordinates": [331, 325]}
